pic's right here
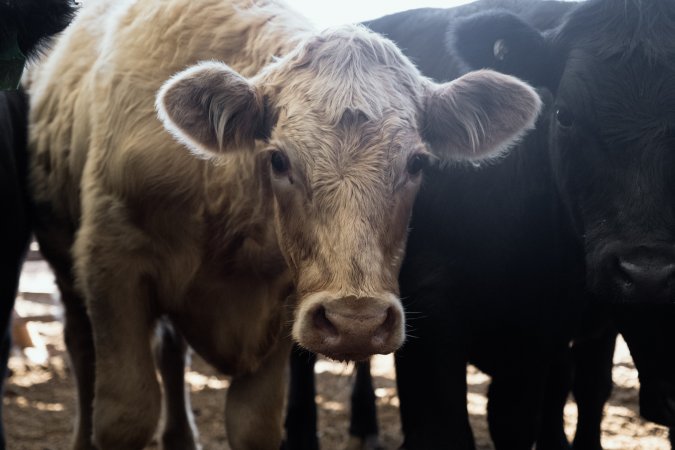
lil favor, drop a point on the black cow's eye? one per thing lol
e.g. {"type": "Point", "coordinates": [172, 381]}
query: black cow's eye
{"type": "Point", "coordinates": [564, 117]}
{"type": "Point", "coordinates": [279, 162]}
{"type": "Point", "coordinates": [417, 163]}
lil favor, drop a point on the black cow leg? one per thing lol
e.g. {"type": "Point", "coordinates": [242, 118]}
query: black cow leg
{"type": "Point", "coordinates": [171, 354]}
{"type": "Point", "coordinates": [5, 345]}
{"type": "Point", "coordinates": [301, 415]}
{"type": "Point", "coordinates": [592, 386]}
{"type": "Point", "coordinates": [650, 335]}
{"type": "Point", "coordinates": [431, 384]}
{"type": "Point", "coordinates": [14, 238]}
{"type": "Point", "coordinates": [514, 405]}
{"type": "Point", "coordinates": [671, 435]}
{"type": "Point", "coordinates": [363, 420]}
{"type": "Point", "coordinates": [8, 286]}
{"type": "Point", "coordinates": [552, 427]}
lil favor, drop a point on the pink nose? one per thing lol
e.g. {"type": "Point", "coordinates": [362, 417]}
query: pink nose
{"type": "Point", "coordinates": [352, 328]}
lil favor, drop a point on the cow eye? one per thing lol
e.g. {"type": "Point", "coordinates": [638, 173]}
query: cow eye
{"type": "Point", "coordinates": [279, 162]}
{"type": "Point", "coordinates": [417, 163]}
{"type": "Point", "coordinates": [564, 117]}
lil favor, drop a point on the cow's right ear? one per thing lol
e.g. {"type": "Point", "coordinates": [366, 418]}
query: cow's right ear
{"type": "Point", "coordinates": [502, 41]}
{"type": "Point", "coordinates": [478, 116]}
{"type": "Point", "coordinates": [212, 109]}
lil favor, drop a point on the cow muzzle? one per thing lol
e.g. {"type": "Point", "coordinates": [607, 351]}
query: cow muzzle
{"type": "Point", "coordinates": [642, 274]}
{"type": "Point", "coordinates": [351, 327]}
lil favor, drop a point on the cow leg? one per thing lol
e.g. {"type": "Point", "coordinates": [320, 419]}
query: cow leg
{"type": "Point", "coordinates": [592, 386]}
{"type": "Point", "coordinates": [650, 335]}
{"type": "Point", "coordinates": [127, 395]}
{"type": "Point", "coordinates": [79, 342]}
{"type": "Point", "coordinates": [9, 280]}
{"type": "Point", "coordinates": [14, 231]}
{"type": "Point", "coordinates": [558, 384]}
{"type": "Point", "coordinates": [514, 406]}
{"type": "Point", "coordinates": [253, 413]}
{"type": "Point", "coordinates": [120, 298]}
{"type": "Point", "coordinates": [363, 421]}
{"type": "Point", "coordinates": [10, 269]}
{"type": "Point", "coordinates": [431, 381]}
{"type": "Point", "coordinates": [171, 352]}
{"type": "Point", "coordinates": [301, 415]}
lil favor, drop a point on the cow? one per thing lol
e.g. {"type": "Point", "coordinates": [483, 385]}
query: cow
{"type": "Point", "coordinates": [25, 27]}
{"type": "Point", "coordinates": [244, 202]}
{"type": "Point", "coordinates": [579, 214]}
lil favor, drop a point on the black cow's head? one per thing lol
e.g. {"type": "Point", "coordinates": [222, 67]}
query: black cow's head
{"type": "Point", "coordinates": [611, 69]}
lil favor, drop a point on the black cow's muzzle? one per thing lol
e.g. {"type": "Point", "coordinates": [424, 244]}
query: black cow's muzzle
{"type": "Point", "coordinates": [640, 273]}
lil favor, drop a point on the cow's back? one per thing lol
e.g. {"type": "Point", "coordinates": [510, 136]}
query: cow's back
{"type": "Point", "coordinates": [427, 49]}
{"type": "Point", "coordinates": [93, 97]}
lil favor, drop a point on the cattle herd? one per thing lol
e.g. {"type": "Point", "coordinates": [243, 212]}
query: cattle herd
{"type": "Point", "coordinates": [485, 184]}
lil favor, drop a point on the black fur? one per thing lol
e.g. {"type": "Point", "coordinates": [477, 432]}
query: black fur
{"type": "Point", "coordinates": [34, 21]}
{"type": "Point", "coordinates": [14, 226]}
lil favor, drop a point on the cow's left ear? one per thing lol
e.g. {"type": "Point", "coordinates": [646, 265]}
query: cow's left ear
{"type": "Point", "coordinates": [212, 109]}
{"type": "Point", "coordinates": [479, 115]}
{"type": "Point", "coordinates": [502, 41]}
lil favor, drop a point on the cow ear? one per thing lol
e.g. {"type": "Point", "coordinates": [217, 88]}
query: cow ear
{"type": "Point", "coordinates": [502, 41]}
{"type": "Point", "coordinates": [212, 109]}
{"type": "Point", "coordinates": [479, 115]}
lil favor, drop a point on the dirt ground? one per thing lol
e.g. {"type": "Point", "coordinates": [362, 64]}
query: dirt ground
{"type": "Point", "coordinates": [39, 398]}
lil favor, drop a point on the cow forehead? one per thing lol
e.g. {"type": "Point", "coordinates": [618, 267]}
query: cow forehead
{"type": "Point", "coordinates": [346, 69]}
{"type": "Point", "coordinates": [633, 91]}
{"type": "Point", "coordinates": [608, 28]}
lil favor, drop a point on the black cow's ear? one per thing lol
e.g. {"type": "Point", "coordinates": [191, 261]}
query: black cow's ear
{"type": "Point", "coordinates": [502, 41]}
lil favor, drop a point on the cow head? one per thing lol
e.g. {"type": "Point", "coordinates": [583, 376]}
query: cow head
{"type": "Point", "coordinates": [611, 69]}
{"type": "Point", "coordinates": [345, 125]}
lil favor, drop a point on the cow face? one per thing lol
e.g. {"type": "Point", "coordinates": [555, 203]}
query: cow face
{"type": "Point", "coordinates": [612, 137]}
{"type": "Point", "coordinates": [344, 125]}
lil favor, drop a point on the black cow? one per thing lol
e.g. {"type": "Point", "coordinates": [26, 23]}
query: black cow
{"type": "Point", "coordinates": [587, 193]}
{"type": "Point", "coordinates": [605, 150]}
{"type": "Point", "coordinates": [24, 27]}
{"type": "Point", "coordinates": [417, 32]}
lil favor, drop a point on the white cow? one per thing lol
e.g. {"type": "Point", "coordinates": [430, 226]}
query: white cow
{"type": "Point", "coordinates": [290, 220]}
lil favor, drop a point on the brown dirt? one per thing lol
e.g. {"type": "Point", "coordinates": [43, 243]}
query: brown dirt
{"type": "Point", "coordinates": [39, 399]}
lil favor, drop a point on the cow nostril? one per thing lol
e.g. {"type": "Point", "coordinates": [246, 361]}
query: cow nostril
{"type": "Point", "coordinates": [622, 272]}
{"type": "Point", "coordinates": [322, 323]}
{"type": "Point", "coordinates": [387, 326]}
{"type": "Point", "coordinates": [390, 321]}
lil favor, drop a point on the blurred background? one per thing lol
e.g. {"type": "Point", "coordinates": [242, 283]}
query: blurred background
{"type": "Point", "coordinates": [326, 14]}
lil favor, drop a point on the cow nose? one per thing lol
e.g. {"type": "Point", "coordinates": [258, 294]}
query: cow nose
{"type": "Point", "coordinates": [645, 276]}
{"type": "Point", "coordinates": [353, 328]}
